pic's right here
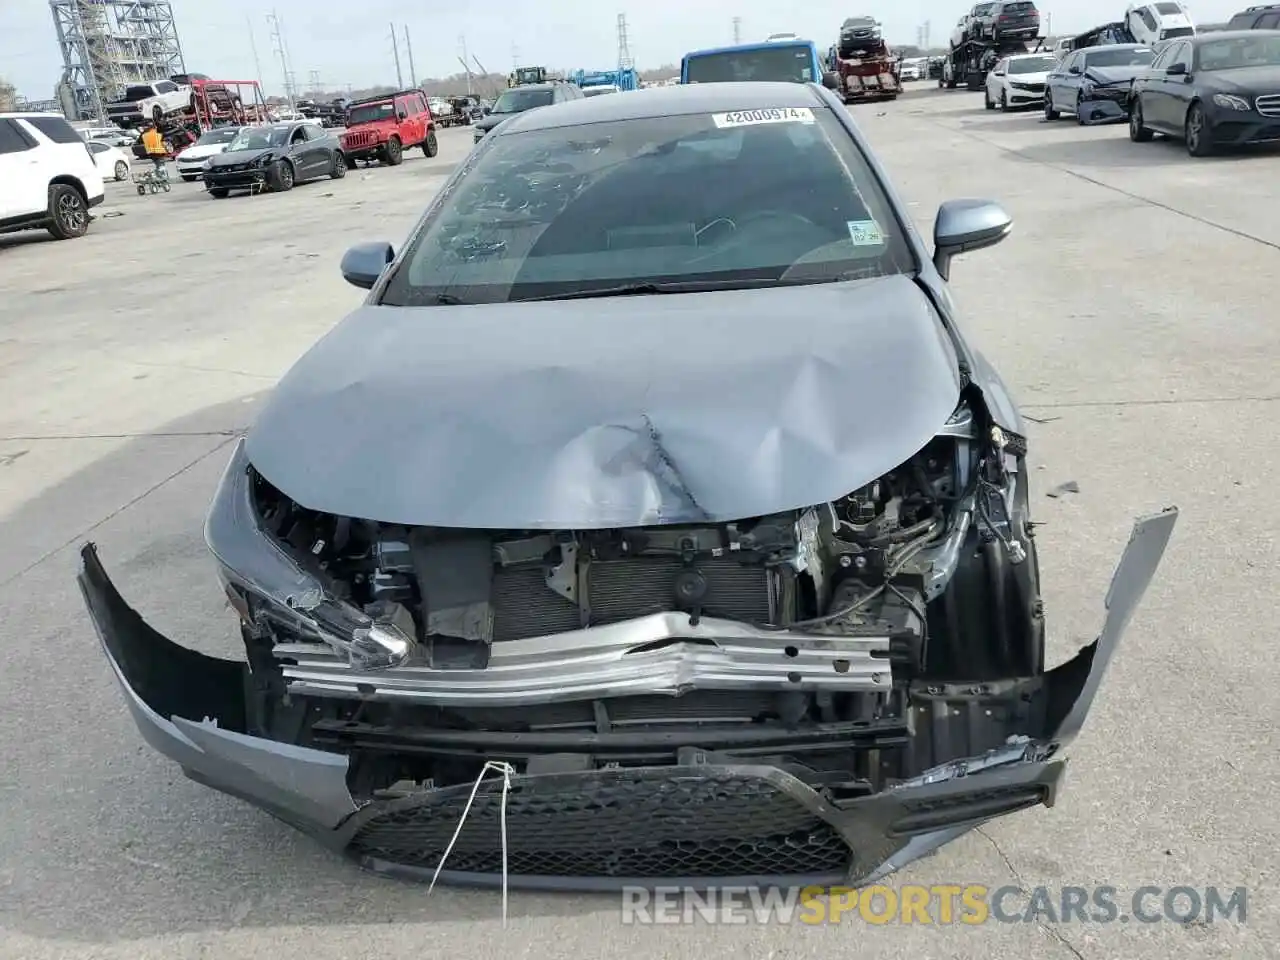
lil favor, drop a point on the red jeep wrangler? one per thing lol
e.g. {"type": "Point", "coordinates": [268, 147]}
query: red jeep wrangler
{"type": "Point", "coordinates": [385, 127]}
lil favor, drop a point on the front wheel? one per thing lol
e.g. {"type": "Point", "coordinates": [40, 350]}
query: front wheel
{"type": "Point", "coordinates": [68, 213]}
{"type": "Point", "coordinates": [431, 146]}
{"type": "Point", "coordinates": [281, 177]}
{"type": "Point", "coordinates": [1050, 112]}
{"type": "Point", "coordinates": [1139, 132]}
{"type": "Point", "coordinates": [1195, 131]}
{"type": "Point", "coordinates": [339, 168]}
{"type": "Point", "coordinates": [987, 102]}
{"type": "Point", "coordinates": [1004, 102]}
{"type": "Point", "coordinates": [122, 171]}
{"type": "Point", "coordinates": [394, 152]}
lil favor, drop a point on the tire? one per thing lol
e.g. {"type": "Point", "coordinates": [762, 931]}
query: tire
{"type": "Point", "coordinates": [393, 153]}
{"type": "Point", "coordinates": [431, 146]}
{"type": "Point", "coordinates": [142, 191]}
{"type": "Point", "coordinates": [281, 177]}
{"type": "Point", "coordinates": [1139, 132]}
{"type": "Point", "coordinates": [986, 99]}
{"type": "Point", "coordinates": [1195, 132]}
{"type": "Point", "coordinates": [68, 212]}
{"type": "Point", "coordinates": [122, 171]}
{"type": "Point", "coordinates": [1050, 113]}
{"type": "Point", "coordinates": [339, 168]}
{"type": "Point", "coordinates": [219, 193]}
{"type": "Point", "coordinates": [1079, 116]}
{"type": "Point", "coordinates": [1004, 102]}
{"type": "Point", "coordinates": [157, 114]}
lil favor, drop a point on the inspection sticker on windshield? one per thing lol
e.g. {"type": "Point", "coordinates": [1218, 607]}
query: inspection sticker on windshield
{"type": "Point", "coordinates": [865, 233]}
{"type": "Point", "coordinates": [750, 118]}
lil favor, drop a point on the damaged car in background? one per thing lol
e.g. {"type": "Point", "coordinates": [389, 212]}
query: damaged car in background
{"type": "Point", "coordinates": [678, 498]}
{"type": "Point", "coordinates": [1094, 84]}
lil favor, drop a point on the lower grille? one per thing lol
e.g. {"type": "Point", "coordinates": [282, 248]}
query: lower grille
{"type": "Point", "coordinates": [640, 824]}
{"type": "Point", "coordinates": [617, 590]}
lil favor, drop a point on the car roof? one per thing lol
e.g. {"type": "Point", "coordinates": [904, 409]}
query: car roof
{"type": "Point", "coordinates": [1230, 35]}
{"type": "Point", "coordinates": [657, 102]}
{"type": "Point", "coordinates": [1120, 46]}
{"type": "Point", "coordinates": [548, 85]}
{"type": "Point", "coordinates": [28, 114]}
{"type": "Point", "coordinates": [749, 47]}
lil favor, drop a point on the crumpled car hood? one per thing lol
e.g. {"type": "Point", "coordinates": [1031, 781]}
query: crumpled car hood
{"type": "Point", "coordinates": [612, 412]}
{"type": "Point", "coordinates": [1111, 75]}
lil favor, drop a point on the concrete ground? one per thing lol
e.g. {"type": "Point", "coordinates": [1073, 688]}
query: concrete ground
{"type": "Point", "coordinates": [1132, 314]}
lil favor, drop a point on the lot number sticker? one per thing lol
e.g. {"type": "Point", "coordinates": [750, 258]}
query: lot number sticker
{"type": "Point", "coordinates": [751, 118]}
{"type": "Point", "coordinates": [865, 233]}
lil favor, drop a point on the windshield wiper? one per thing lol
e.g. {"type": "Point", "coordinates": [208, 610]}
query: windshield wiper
{"type": "Point", "coordinates": [689, 286]}
{"type": "Point", "coordinates": [670, 286]}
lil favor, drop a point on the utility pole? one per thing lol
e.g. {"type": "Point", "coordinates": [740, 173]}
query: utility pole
{"type": "Point", "coordinates": [466, 65]}
{"type": "Point", "coordinates": [927, 24]}
{"type": "Point", "coordinates": [1048, 25]}
{"type": "Point", "coordinates": [253, 45]}
{"type": "Point", "coordinates": [313, 82]}
{"type": "Point", "coordinates": [413, 74]}
{"type": "Point", "coordinates": [737, 30]}
{"type": "Point", "coordinates": [625, 60]}
{"type": "Point", "coordinates": [395, 51]}
{"type": "Point", "coordinates": [277, 37]}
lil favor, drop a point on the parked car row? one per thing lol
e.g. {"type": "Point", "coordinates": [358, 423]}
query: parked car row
{"type": "Point", "coordinates": [1212, 91]}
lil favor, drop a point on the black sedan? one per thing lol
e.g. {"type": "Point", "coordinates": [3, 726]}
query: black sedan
{"type": "Point", "coordinates": [653, 515]}
{"type": "Point", "coordinates": [275, 157]}
{"type": "Point", "coordinates": [1211, 91]}
{"type": "Point", "coordinates": [1093, 84]}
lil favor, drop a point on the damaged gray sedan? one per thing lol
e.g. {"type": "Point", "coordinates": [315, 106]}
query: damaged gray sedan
{"type": "Point", "coordinates": [656, 475]}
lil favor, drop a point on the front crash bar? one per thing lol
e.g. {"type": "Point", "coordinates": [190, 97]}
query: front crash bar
{"type": "Point", "coordinates": [192, 709]}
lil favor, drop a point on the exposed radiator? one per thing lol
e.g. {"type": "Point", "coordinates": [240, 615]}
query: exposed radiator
{"type": "Point", "coordinates": [616, 590]}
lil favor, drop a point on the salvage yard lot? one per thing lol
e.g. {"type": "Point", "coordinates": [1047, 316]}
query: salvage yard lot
{"type": "Point", "coordinates": [1132, 313]}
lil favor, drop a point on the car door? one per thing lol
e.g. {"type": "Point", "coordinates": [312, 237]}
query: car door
{"type": "Point", "coordinates": [23, 187]}
{"type": "Point", "coordinates": [995, 80]}
{"type": "Point", "coordinates": [314, 150]}
{"type": "Point", "coordinates": [300, 152]}
{"type": "Point", "coordinates": [1057, 84]}
{"type": "Point", "coordinates": [1179, 87]}
{"type": "Point", "coordinates": [1148, 87]}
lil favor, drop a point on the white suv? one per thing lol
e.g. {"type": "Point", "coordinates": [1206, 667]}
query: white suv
{"type": "Point", "coordinates": [48, 177]}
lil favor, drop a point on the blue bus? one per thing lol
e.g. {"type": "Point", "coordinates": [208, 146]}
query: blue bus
{"type": "Point", "coordinates": [787, 60]}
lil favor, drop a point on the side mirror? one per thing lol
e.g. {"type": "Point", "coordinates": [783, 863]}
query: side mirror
{"type": "Point", "coordinates": [1074, 71]}
{"type": "Point", "coordinates": [363, 264]}
{"type": "Point", "coordinates": [486, 110]}
{"type": "Point", "coordinates": [1176, 70]}
{"type": "Point", "coordinates": [831, 80]}
{"type": "Point", "coordinates": [965, 225]}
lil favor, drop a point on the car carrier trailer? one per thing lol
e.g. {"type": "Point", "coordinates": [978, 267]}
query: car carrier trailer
{"type": "Point", "coordinates": [971, 61]}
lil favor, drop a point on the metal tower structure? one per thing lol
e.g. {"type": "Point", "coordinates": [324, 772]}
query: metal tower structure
{"type": "Point", "coordinates": [625, 60]}
{"type": "Point", "coordinates": [108, 45]}
{"type": "Point", "coordinates": [737, 30]}
{"type": "Point", "coordinates": [281, 50]}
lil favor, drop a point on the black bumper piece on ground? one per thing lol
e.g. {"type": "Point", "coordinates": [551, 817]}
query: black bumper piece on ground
{"type": "Point", "coordinates": [237, 180]}
{"type": "Point", "coordinates": [712, 819]}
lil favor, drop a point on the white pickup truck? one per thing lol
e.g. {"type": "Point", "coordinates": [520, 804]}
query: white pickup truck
{"type": "Point", "coordinates": [149, 102]}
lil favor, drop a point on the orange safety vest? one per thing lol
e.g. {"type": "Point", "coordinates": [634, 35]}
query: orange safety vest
{"type": "Point", "coordinates": [153, 142]}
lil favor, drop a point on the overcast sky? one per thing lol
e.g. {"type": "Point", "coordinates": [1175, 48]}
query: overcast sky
{"type": "Point", "coordinates": [350, 43]}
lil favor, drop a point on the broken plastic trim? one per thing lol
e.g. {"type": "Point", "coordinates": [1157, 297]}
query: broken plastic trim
{"type": "Point", "coordinates": [253, 561]}
{"type": "Point", "coordinates": [191, 708]}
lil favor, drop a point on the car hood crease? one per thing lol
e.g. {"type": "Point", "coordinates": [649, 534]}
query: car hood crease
{"type": "Point", "coordinates": [612, 412]}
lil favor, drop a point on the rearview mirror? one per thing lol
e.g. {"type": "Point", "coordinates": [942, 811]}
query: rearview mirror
{"type": "Point", "coordinates": [364, 263]}
{"type": "Point", "coordinates": [1176, 69]}
{"type": "Point", "coordinates": [965, 225]}
{"type": "Point", "coordinates": [1074, 71]}
{"type": "Point", "coordinates": [831, 80]}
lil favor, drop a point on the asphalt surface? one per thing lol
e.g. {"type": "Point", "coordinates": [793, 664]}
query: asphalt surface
{"type": "Point", "coordinates": [1131, 312]}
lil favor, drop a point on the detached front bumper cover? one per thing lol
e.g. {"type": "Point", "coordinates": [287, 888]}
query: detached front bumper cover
{"type": "Point", "coordinates": [668, 824]}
